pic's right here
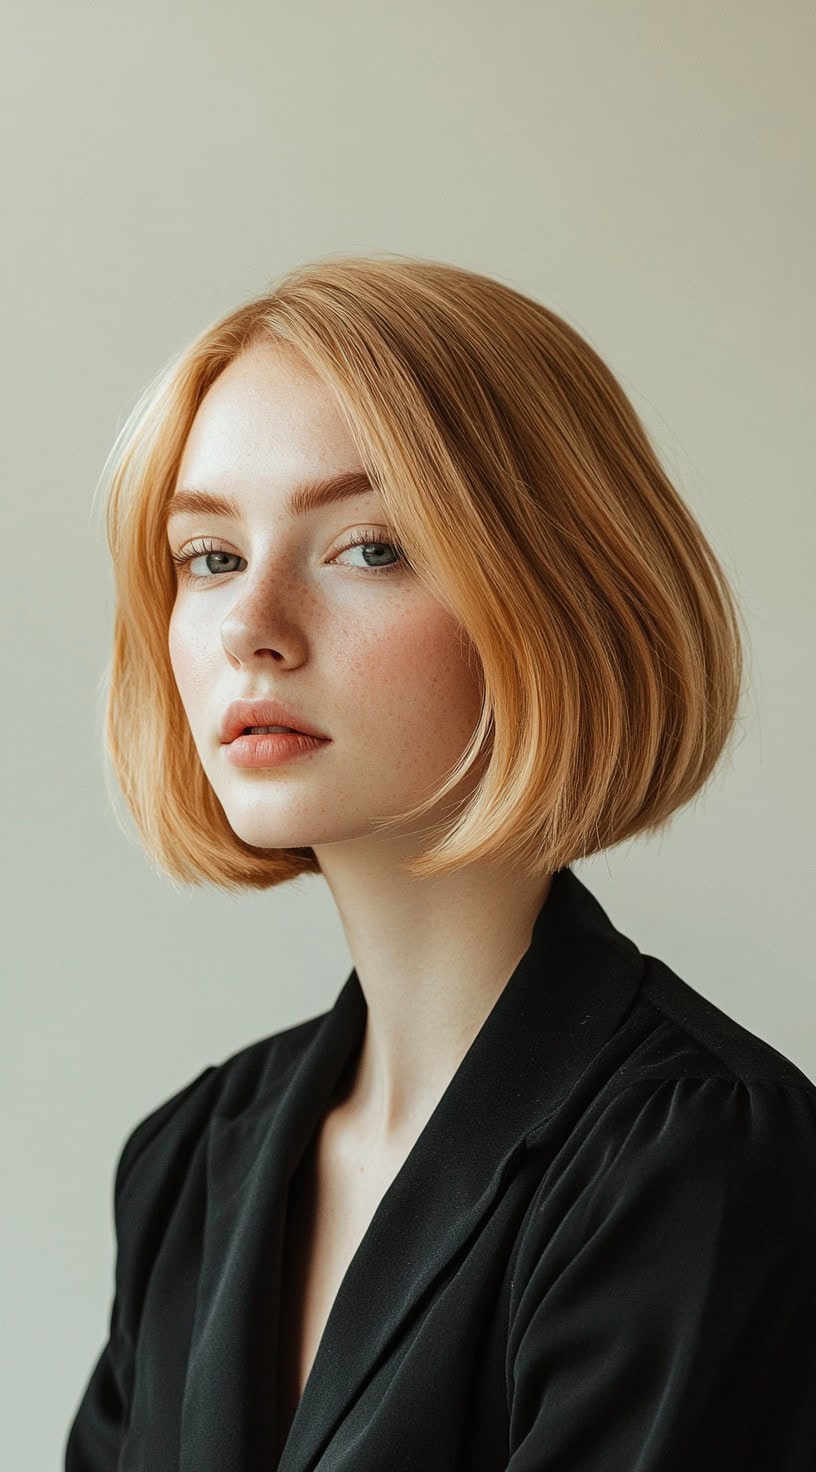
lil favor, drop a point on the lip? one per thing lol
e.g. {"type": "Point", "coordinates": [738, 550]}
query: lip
{"type": "Point", "coordinates": [242, 713]}
{"type": "Point", "coordinates": [269, 748]}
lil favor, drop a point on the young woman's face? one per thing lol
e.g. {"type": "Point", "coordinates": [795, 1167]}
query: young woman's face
{"type": "Point", "coordinates": [277, 605]}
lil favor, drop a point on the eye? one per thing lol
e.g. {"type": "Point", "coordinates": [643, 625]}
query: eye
{"type": "Point", "coordinates": [364, 537]}
{"type": "Point", "coordinates": [201, 549]}
{"type": "Point", "coordinates": [368, 537]}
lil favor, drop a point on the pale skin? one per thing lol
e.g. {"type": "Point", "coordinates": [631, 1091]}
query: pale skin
{"type": "Point", "coordinates": [377, 663]}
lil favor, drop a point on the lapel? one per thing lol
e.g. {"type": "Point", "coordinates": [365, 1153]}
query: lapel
{"type": "Point", "coordinates": [568, 994]}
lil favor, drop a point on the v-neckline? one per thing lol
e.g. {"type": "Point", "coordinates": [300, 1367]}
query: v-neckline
{"type": "Point", "coordinates": [567, 995]}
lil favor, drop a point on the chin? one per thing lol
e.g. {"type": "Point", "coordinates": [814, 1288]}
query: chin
{"type": "Point", "coordinates": [261, 833]}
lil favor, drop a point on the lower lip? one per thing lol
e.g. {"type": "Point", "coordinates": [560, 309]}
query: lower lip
{"type": "Point", "coordinates": [268, 748]}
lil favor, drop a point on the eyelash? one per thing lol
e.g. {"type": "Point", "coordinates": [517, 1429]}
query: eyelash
{"type": "Point", "coordinates": [366, 537]}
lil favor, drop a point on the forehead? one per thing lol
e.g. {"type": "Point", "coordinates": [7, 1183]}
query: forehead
{"type": "Point", "coordinates": [268, 408]}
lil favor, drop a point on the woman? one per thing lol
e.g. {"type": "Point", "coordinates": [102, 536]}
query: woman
{"type": "Point", "coordinates": [521, 1198]}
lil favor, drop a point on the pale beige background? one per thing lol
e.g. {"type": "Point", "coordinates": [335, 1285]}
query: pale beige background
{"type": "Point", "coordinates": [644, 168]}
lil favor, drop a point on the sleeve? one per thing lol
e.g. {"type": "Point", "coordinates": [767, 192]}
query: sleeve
{"type": "Point", "coordinates": [663, 1312]}
{"type": "Point", "coordinates": [96, 1435]}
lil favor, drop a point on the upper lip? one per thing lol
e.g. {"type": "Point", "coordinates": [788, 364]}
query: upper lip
{"type": "Point", "coordinates": [243, 713]}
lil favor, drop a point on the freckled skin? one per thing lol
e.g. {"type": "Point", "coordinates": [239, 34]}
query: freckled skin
{"type": "Point", "coordinates": [374, 660]}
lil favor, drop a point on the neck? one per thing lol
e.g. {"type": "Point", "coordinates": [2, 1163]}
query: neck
{"type": "Point", "coordinates": [432, 957]}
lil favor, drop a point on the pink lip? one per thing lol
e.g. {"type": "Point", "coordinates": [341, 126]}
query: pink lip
{"type": "Point", "coordinates": [243, 713]}
{"type": "Point", "coordinates": [269, 748]}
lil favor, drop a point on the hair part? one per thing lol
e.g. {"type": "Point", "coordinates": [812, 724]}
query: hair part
{"type": "Point", "coordinates": [528, 497]}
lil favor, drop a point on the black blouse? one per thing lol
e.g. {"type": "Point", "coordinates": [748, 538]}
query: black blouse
{"type": "Point", "coordinates": [598, 1256]}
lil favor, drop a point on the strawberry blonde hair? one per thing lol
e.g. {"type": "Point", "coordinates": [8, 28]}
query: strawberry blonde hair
{"type": "Point", "coordinates": [526, 494]}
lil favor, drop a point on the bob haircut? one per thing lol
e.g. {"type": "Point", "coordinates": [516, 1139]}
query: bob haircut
{"type": "Point", "coordinates": [526, 494]}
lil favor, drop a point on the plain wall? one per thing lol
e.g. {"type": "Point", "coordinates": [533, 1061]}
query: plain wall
{"type": "Point", "coordinates": [644, 169]}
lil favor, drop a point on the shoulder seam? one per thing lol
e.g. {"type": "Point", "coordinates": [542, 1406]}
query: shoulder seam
{"type": "Point", "coordinates": [703, 1078]}
{"type": "Point", "coordinates": [803, 1082]}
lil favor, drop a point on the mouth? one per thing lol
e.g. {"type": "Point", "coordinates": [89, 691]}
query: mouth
{"type": "Point", "coordinates": [256, 733]}
{"type": "Point", "coordinates": [263, 717]}
{"type": "Point", "coordinates": [271, 730]}
{"type": "Point", "coordinates": [258, 746]}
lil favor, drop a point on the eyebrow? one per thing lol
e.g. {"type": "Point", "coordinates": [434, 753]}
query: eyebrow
{"type": "Point", "coordinates": [310, 495]}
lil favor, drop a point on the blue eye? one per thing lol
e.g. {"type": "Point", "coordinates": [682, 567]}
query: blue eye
{"type": "Point", "coordinates": [369, 538]}
{"type": "Point", "coordinates": [366, 537]}
{"type": "Point", "coordinates": [200, 549]}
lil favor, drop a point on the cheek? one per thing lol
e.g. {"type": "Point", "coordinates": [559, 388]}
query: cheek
{"type": "Point", "coordinates": [413, 678]}
{"type": "Point", "coordinates": [188, 649]}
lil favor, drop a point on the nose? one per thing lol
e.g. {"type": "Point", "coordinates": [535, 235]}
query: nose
{"type": "Point", "coordinates": [258, 626]}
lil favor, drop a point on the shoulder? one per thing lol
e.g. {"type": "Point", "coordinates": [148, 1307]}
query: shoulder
{"type": "Point", "coordinates": [663, 1281]}
{"type": "Point", "coordinates": [678, 1199]}
{"type": "Point", "coordinates": [173, 1127]}
{"type": "Point", "coordinates": [700, 1140]}
{"type": "Point", "coordinates": [708, 1139]}
{"type": "Point", "coordinates": [707, 1177]}
{"type": "Point", "coordinates": [695, 1036]}
{"type": "Point", "coordinates": [700, 1082]}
